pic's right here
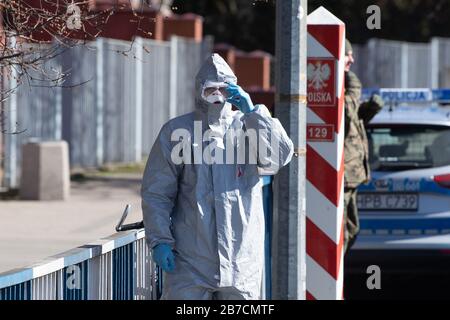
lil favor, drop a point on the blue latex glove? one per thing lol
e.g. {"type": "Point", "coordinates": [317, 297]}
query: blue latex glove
{"type": "Point", "coordinates": [241, 99]}
{"type": "Point", "coordinates": [163, 256]}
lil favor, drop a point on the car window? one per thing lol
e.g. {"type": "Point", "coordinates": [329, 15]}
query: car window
{"type": "Point", "coordinates": [404, 147]}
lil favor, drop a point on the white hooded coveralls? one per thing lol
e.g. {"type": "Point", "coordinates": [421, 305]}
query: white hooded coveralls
{"type": "Point", "coordinates": [211, 214]}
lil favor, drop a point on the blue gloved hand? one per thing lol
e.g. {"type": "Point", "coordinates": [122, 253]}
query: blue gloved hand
{"type": "Point", "coordinates": [163, 256]}
{"type": "Point", "coordinates": [241, 99]}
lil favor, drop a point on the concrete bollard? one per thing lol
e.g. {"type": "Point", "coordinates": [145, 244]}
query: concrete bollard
{"type": "Point", "coordinates": [45, 173]}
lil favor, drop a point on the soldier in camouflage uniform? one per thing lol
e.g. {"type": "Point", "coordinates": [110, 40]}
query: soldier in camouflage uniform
{"type": "Point", "coordinates": [356, 149]}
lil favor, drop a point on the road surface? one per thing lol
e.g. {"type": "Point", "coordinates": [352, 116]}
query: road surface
{"type": "Point", "coordinates": [34, 230]}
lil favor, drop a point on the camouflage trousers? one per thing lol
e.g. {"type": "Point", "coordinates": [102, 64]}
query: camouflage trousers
{"type": "Point", "coordinates": [351, 220]}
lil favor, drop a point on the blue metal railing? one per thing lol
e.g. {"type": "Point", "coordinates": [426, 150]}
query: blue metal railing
{"type": "Point", "coordinates": [268, 204]}
{"type": "Point", "coordinates": [117, 267]}
{"type": "Point", "coordinates": [21, 291]}
{"type": "Point", "coordinates": [80, 291]}
{"type": "Point", "coordinates": [123, 278]}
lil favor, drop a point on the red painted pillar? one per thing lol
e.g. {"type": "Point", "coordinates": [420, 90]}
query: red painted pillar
{"type": "Point", "coordinates": [325, 156]}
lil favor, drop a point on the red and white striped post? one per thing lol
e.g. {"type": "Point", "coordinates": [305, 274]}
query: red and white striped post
{"type": "Point", "coordinates": [325, 156]}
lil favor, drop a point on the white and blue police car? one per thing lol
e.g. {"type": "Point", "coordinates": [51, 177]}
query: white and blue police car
{"type": "Point", "coordinates": [405, 209]}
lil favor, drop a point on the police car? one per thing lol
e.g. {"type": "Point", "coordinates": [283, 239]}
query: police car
{"type": "Point", "coordinates": [405, 209]}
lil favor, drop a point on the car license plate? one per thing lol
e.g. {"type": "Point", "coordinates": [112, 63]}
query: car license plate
{"type": "Point", "coordinates": [388, 201]}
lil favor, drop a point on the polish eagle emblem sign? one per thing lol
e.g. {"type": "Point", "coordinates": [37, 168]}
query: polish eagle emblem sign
{"type": "Point", "coordinates": [321, 82]}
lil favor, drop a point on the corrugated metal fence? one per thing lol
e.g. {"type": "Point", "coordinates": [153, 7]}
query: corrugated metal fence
{"type": "Point", "coordinates": [112, 104]}
{"type": "Point", "coordinates": [396, 64]}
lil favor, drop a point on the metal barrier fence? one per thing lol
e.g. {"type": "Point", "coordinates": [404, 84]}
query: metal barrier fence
{"type": "Point", "coordinates": [111, 105]}
{"type": "Point", "coordinates": [397, 64]}
{"type": "Point", "coordinates": [118, 267]}
{"type": "Point", "coordinates": [129, 92]}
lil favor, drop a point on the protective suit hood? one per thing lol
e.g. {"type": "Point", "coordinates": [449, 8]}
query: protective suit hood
{"type": "Point", "coordinates": [214, 70]}
{"type": "Point", "coordinates": [218, 117]}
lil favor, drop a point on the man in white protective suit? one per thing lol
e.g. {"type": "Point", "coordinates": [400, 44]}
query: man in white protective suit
{"type": "Point", "coordinates": [202, 193]}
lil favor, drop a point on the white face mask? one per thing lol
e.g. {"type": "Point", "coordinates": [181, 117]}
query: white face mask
{"type": "Point", "coordinates": [216, 97]}
{"type": "Point", "coordinates": [219, 112]}
{"type": "Point", "coordinates": [214, 92]}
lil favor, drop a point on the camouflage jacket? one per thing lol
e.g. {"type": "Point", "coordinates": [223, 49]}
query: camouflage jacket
{"type": "Point", "coordinates": [356, 149]}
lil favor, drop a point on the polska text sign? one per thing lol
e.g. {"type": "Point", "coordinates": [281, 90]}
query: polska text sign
{"type": "Point", "coordinates": [321, 82]}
